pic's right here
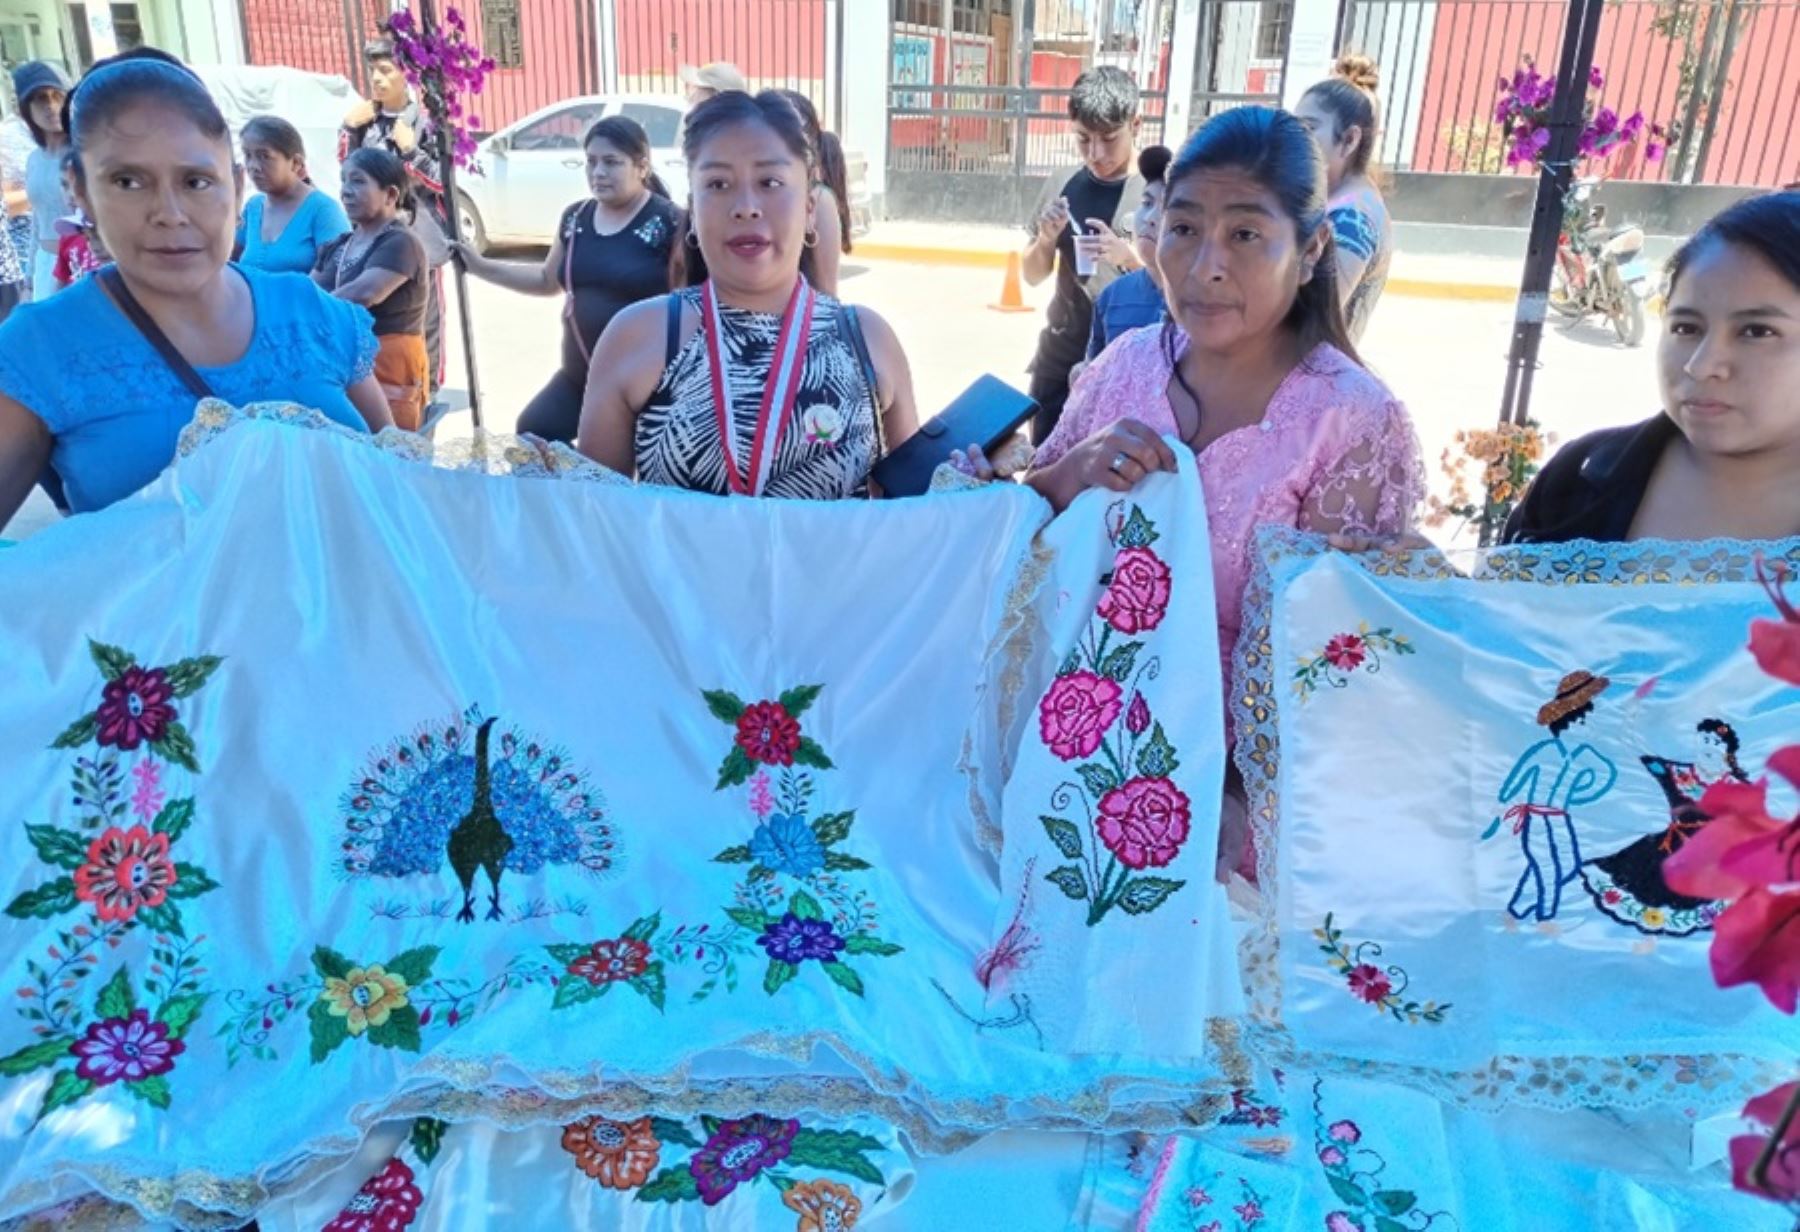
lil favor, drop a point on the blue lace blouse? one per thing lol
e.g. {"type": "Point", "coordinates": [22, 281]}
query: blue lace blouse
{"type": "Point", "coordinates": [116, 409]}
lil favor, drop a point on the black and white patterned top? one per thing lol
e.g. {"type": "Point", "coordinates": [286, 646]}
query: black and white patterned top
{"type": "Point", "coordinates": [831, 440]}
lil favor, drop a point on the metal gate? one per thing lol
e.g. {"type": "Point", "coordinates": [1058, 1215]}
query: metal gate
{"type": "Point", "coordinates": [776, 44]}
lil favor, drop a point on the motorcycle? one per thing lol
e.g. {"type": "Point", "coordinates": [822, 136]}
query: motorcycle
{"type": "Point", "coordinates": [1600, 270]}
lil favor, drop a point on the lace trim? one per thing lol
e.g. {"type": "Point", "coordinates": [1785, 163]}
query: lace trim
{"type": "Point", "coordinates": [1558, 1082]}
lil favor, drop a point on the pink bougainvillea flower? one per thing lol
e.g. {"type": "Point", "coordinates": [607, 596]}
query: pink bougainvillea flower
{"type": "Point", "coordinates": [1757, 941]}
{"type": "Point", "coordinates": [1742, 848]}
{"type": "Point", "coordinates": [1075, 713]}
{"type": "Point", "coordinates": [1782, 1181]}
{"type": "Point", "coordinates": [1776, 643]}
{"type": "Point", "coordinates": [1369, 983]}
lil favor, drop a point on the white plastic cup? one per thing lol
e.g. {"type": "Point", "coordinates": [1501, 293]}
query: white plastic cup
{"type": "Point", "coordinates": [1086, 252]}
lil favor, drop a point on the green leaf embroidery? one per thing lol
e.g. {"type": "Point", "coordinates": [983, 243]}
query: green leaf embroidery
{"type": "Point", "coordinates": [574, 990]}
{"type": "Point", "coordinates": [50, 899]}
{"type": "Point", "coordinates": [191, 881]}
{"type": "Point", "coordinates": [1063, 833]}
{"type": "Point", "coordinates": [153, 1090]}
{"type": "Point", "coordinates": [810, 754]}
{"type": "Point", "coordinates": [180, 1012]}
{"type": "Point", "coordinates": [1139, 531]}
{"type": "Point", "coordinates": [1072, 664]}
{"type": "Point", "coordinates": [566, 952]}
{"type": "Point", "coordinates": [65, 1089]}
{"type": "Point", "coordinates": [796, 701]}
{"type": "Point", "coordinates": [674, 1133]}
{"type": "Point", "coordinates": [186, 677]}
{"type": "Point", "coordinates": [737, 768]}
{"type": "Point", "coordinates": [862, 943]}
{"type": "Point", "coordinates": [844, 977]}
{"type": "Point", "coordinates": [734, 855]}
{"type": "Point", "coordinates": [401, 1030]}
{"type": "Point", "coordinates": [724, 706]}
{"type": "Point", "coordinates": [1119, 661]}
{"type": "Point", "coordinates": [328, 1030]}
{"type": "Point", "coordinates": [413, 966]}
{"type": "Point", "coordinates": [1142, 894]}
{"type": "Point", "coordinates": [805, 906]}
{"type": "Point", "coordinates": [77, 733]}
{"type": "Point", "coordinates": [177, 747]}
{"type": "Point", "coordinates": [427, 1138]}
{"type": "Point", "coordinates": [1348, 1191]}
{"type": "Point", "coordinates": [711, 1124]}
{"type": "Point", "coordinates": [61, 848]}
{"type": "Point", "coordinates": [175, 818]}
{"type": "Point", "coordinates": [116, 999]}
{"type": "Point", "coordinates": [1098, 779]}
{"type": "Point", "coordinates": [644, 928]}
{"type": "Point", "coordinates": [1395, 1201]}
{"type": "Point", "coordinates": [778, 974]}
{"type": "Point", "coordinates": [35, 1056]}
{"type": "Point", "coordinates": [838, 862]}
{"type": "Point", "coordinates": [833, 827]}
{"type": "Point", "coordinates": [165, 917]}
{"type": "Point", "coordinates": [111, 661]}
{"type": "Point", "coordinates": [1384, 1224]}
{"type": "Point", "coordinates": [670, 1185]}
{"type": "Point", "coordinates": [1069, 880]}
{"type": "Point", "coordinates": [748, 917]}
{"type": "Point", "coordinates": [331, 964]}
{"type": "Point", "coordinates": [1156, 759]}
{"type": "Point", "coordinates": [836, 1151]}
{"type": "Point", "coordinates": [781, 1180]}
{"type": "Point", "coordinates": [652, 984]}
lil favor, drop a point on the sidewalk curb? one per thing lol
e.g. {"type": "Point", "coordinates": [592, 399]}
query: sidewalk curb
{"type": "Point", "coordinates": [978, 258]}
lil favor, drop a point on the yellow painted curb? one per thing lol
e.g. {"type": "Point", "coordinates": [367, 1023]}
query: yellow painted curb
{"type": "Point", "coordinates": [1421, 288]}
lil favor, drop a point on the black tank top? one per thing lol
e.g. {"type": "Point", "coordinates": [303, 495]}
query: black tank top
{"type": "Point", "coordinates": [610, 272]}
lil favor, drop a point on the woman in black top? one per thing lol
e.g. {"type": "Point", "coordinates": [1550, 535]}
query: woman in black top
{"type": "Point", "coordinates": [381, 265]}
{"type": "Point", "coordinates": [1723, 459]}
{"type": "Point", "coordinates": [610, 252]}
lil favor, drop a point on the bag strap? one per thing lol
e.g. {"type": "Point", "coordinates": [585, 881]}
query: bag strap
{"type": "Point", "coordinates": [568, 281]}
{"type": "Point", "coordinates": [674, 343]}
{"type": "Point", "coordinates": [152, 332]}
{"type": "Point", "coordinates": [849, 328]}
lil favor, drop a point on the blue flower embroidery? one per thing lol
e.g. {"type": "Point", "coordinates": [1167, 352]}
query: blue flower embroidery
{"type": "Point", "coordinates": [794, 940]}
{"type": "Point", "coordinates": [785, 844]}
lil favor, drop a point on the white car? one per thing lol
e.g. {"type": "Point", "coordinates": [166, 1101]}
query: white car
{"type": "Point", "coordinates": [533, 168]}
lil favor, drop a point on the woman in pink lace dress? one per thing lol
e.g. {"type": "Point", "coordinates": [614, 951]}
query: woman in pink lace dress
{"type": "Point", "coordinates": [1255, 373]}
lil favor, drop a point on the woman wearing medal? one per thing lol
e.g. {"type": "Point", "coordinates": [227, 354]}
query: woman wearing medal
{"type": "Point", "coordinates": [752, 384]}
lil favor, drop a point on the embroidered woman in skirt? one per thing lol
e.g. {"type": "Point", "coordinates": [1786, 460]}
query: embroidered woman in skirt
{"type": "Point", "coordinates": [753, 383]}
{"type": "Point", "coordinates": [1628, 885]}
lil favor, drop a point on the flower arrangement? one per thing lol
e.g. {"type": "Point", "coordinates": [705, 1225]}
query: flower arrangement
{"type": "Point", "coordinates": [1752, 860]}
{"type": "Point", "coordinates": [445, 68]}
{"type": "Point", "coordinates": [1509, 456]}
{"type": "Point", "coordinates": [1523, 113]}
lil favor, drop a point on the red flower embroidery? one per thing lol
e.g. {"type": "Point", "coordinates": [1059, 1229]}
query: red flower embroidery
{"type": "Point", "coordinates": [1138, 595]}
{"type": "Point", "coordinates": [610, 961]}
{"type": "Point", "coordinates": [1369, 983]}
{"type": "Point", "coordinates": [387, 1202]}
{"type": "Point", "coordinates": [768, 733]}
{"type": "Point", "coordinates": [134, 709]}
{"type": "Point", "coordinates": [125, 870]}
{"type": "Point", "coordinates": [1346, 652]}
{"type": "Point", "coordinates": [1144, 822]}
{"type": "Point", "coordinates": [1075, 713]}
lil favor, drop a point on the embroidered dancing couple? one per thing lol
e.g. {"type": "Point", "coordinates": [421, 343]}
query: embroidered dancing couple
{"type": "Point", "coordinates": [1556, 777]}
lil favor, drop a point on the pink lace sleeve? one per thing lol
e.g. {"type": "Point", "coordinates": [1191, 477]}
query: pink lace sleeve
{"type": "Point", "coordinates": [1374, 482]}
{"type": "Point", "coordinates": [1124, 382]}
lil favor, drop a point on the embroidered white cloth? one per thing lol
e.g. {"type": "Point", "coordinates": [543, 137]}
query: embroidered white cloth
{"type": "Point", "coordinates": [386, 843]}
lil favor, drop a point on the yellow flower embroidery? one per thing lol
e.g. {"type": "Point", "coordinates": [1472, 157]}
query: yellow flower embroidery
{"type": "Point", "coordinates": [823, 1206]}
{"type": "Point", "coordinates": [364, 997]}
{"type": "Point", "coordinates": [1654, 917]}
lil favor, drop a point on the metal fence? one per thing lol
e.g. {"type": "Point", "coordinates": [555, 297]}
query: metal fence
{"type": "Point", "coordinates": [1722, 75]}
{"type": "Point", "coordinates": [777, 44]}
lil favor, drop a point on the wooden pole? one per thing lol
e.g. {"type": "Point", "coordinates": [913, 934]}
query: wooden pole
{"type": "Point", "coordinates": [440, 135]}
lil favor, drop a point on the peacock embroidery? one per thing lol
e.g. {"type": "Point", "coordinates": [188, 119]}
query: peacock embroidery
{"type": "Point", "coordinates": [479, 842]}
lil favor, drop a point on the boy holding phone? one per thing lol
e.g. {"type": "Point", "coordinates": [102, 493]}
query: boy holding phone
{"type": "Point", "coordinates": [1079, 231]}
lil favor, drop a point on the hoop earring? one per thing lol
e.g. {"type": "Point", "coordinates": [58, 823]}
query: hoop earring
{"type": "Point", "coordinates": [810, 239]}
{"type": "Point", "coordinates": [693, 239]}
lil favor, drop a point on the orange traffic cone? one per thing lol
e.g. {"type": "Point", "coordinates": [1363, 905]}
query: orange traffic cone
{"type": "Point", "coordinates": [1012, 295]}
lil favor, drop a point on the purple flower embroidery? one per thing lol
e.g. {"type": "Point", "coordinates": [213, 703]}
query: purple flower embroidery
{"type": "Point", "coordinates": [737, 1151]}
{"type": "Point", "coordinates": [1345, 1132]}
{"type": "Point", "coordinates": [135, 709]}
{"type": "Point", "coordinates": [1331, 1157]}
{"type": "Point", "coordinates": [794, 940]}
{"type": "Point", "coordinates": [125, 1050]}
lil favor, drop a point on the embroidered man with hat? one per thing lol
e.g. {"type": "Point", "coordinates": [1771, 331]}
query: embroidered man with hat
{"type": "Point", "coordinates": [1549, 781]}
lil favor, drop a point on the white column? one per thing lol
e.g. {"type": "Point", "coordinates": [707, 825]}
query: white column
{"type": "Point", "coordinates": [1312, 48]}
{"type": "Point", "coordinates": [606, 34]}
{"type": "Point", "coordinates": [1184, 54]}
{"type": "Point", "coordinates": [865, 82]}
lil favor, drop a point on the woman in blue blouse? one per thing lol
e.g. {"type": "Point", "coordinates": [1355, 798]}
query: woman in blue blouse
{"type": "Point", "coordinates": [84, 388]}
{"type": "Point", "coordinates": [289, 221]}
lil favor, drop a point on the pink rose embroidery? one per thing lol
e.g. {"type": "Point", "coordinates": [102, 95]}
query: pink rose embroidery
{"type": "Point", "coordinates": [1144, 822]}
{"type": "Point", "coordinates": [1331, 1157]}
{"type": "Point", "coordinates": [1345, 1132]}
{"type": "Point", "coordinates": [1138, 596]}
{"type": "Point", "coordinates": [1074, 715]}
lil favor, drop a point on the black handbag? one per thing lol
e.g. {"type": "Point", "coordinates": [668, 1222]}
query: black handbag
{"type": "Point", "coordinates": [985, 414]}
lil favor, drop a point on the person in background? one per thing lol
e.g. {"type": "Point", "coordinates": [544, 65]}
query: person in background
{"type": "Point", "coordinates": [610, 251]}
{"type": "Point", "coordinates": [16, 239]}
{"type": "Point", "coordinates": [1341, 113]}
{"type": "Point", "coordinates": [1075, 231]}
{"type": "Point", "coordinates": [1136, 299]}
{"type": "Point", "coordinates": [710, 79]}
{"type": "Point", "coordinates": [683, 390]}
{"type": "Point", "coordinates": [831, 199]}
{"type": "Point", "coordinates": [390, 119]}
{"type": "Point", "coordinates": [82, 383]}
{"type": "Point", "coordinates": [41, 89]}
{"type": "Point", "coordinates": [1721, 460]}
{"type": "Point", "coordinates": [288, 221]}
{"type": "Point", "coordinates": [79, 249]}
{"type": "Point", "coordinates": [379, 265]}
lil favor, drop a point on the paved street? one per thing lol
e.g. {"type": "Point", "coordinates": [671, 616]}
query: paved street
{"type": "Point", "coordinates": [1445, 359]}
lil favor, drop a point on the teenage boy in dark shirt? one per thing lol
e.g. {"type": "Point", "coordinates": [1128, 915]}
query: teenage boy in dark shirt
{"type": "Point", "coordinates": [1097, 198]}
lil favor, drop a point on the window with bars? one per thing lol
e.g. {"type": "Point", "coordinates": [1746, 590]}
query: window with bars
{"type": "Point", "coordinates": [1272, 24]}
{"type": "Point", "coordinates": [502, 33]}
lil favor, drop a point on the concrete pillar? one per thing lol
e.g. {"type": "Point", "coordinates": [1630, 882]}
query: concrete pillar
{"type": "Point", "coordinates": [606, 36]}
{"type": "Point", "coordinates": [1312, 48]}
{"type": "Point", "coordinates": [864, 74]}
{"type": "Point", "coordinates": [1184, 57]}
